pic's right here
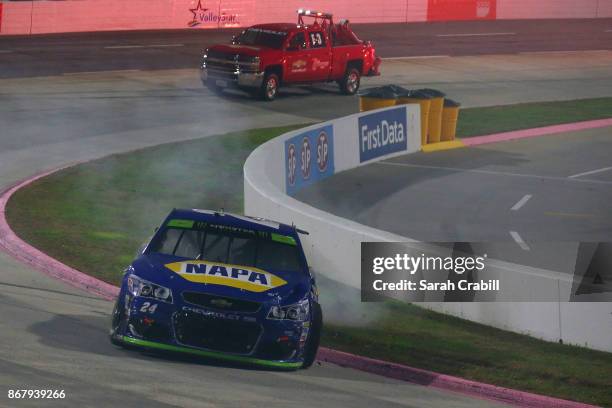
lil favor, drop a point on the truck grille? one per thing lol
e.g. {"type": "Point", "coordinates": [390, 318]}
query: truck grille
{"type": "Point", "coordinates": [229, 336]}
{"type": "Point", "coordinates": [221, 302]}
{"type": "Point", "coordinates": [225, 65]}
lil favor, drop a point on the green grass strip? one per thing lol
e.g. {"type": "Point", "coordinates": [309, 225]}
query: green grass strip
{"type": "Point", "coordinates": [497, 119]}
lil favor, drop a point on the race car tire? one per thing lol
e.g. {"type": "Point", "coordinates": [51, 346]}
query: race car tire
{"type": "Point", "coordinates": [269, 87]}
{"type": "Point", "coordinates": [116, 319]}
{"type": "Point", "coordinates": [349, 84]}
{"type": "Point", "coordinates": [314, 337]}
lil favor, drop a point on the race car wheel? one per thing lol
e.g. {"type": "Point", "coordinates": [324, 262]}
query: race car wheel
{"type": "Point", "coordinates": [312, 343]}
{"type": "Point", "coordinates": [349, 85]}
{"type": "Point", "coordinates": [269, 87]}
{"type": "Point", "coordinates": [116, 320]}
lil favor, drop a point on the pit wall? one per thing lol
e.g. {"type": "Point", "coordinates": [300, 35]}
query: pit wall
{"type": "Point", "coordinates": [281, 167]}
{"type": "Point", "coordinates": [46, 16]}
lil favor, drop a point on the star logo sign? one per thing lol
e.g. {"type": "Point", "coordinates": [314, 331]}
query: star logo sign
{"type": "Point", "coordinates": [198, 14]}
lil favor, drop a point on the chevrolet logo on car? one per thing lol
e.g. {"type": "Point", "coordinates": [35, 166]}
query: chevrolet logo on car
{"type": "Point", "coordinates": [222, 303]}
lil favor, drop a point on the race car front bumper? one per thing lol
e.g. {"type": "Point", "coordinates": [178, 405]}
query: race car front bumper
{"type": "Point", "coordinates": [249, 338]}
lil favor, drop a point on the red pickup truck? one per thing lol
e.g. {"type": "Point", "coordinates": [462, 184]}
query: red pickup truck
{"type": "Point", "coordinates": [265, 56]}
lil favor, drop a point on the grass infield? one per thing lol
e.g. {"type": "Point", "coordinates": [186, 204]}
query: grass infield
{"type": "Point", "coordinates": [95, 216]}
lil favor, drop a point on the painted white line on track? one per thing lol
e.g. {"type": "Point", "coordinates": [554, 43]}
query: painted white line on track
{"type": "Point", "coordinates": [5, 51]}
{"type": "Point", "coordinates": [415, 57]}
{"type": "Point", "coordinates": [586, 173]}
{"type": "Point", "coordinates": [517, 238]}
{"type": "Point", "coordinates": [521, 202]}
{"type": "Point", "coordinates": [494, 173]}
{"type": "Point", "coordinates": [118, 47]}
{"type": "Point", "coordinates": [166, 45]}
{"type": "Point", "coordinates": [607, 31]}
{"type": "Point", "coordinates": [473, 34]}
{"type": "Point", "coordinates": [559, 52]}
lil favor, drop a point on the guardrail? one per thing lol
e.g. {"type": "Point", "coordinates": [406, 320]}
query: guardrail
{"type": "Point", "coordinates": [278, 169]}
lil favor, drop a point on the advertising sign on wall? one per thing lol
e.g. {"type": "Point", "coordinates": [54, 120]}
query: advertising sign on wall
{"type": "Point", "coordinates": [309, 157]}
{"type": "Point", "coordinates": [445, 10]}
{"type": "Point", "coordinates": [382, 133]}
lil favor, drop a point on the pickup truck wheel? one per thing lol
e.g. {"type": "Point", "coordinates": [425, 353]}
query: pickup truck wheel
{"type": "Point", "coordinates": [350, 83]}
{"type": "Point", "coordinates": [269, 87]}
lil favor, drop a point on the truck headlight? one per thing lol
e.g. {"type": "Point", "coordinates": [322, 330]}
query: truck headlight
{"type": "Point", "coordinates": [140, 287]}
{"type": "Point", "coordinates": [297, 312]}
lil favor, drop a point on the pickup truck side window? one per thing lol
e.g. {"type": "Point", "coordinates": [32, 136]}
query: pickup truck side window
{"type": "Point", "coordinates": [317, 40]}
{"type": "Point", "coordinates": [297, 42]}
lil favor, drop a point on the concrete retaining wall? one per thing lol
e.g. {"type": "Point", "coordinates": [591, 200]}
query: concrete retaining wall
{"type": "Point", "coordinates": [46, 16]}
{"type": "Point", "coordinates": [272, 172]}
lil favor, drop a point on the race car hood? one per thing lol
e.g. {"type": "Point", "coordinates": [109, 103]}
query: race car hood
{"type": "Point", "coordinates": [247, 50]}
{"type": "Point", "coordinates": [180, 274]}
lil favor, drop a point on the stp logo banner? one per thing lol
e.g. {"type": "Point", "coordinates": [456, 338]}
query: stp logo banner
{"type": "Point", "coordinates": [309, 157]}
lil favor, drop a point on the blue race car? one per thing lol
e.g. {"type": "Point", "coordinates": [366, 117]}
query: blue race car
{"type": "Point", "coordinates": [223, 286]}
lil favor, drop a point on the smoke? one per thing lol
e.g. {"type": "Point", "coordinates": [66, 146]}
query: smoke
{"type": "Point", "coordinates": [342, 304]}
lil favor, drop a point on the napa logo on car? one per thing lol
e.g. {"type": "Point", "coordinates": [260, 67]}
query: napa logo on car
{"type": "Point", "coordinates": [382, 133]}
{"type": "Point", "coordinates": [251, 279]}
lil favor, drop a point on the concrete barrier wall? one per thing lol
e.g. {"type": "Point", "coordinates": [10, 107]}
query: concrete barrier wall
{"type": "Point", "coordinates": [266, 181]}
{"type": "Point", "coordinates": [275, 170]}
{"type": "Point", "coordinates": [40, 16]}
{"type": "Point", "coordinates": [526, 9]}
{"type": "Point", "coordinates": [46, 16]}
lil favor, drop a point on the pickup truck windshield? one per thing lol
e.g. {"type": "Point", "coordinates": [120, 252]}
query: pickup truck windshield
{"type": "Point", "coordinates": [229, 245]}
{"type": "Point", "coordinates": [262, 38]}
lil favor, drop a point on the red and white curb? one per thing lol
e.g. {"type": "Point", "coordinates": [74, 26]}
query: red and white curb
{"type": "Point", "coordinates": [42, 262]}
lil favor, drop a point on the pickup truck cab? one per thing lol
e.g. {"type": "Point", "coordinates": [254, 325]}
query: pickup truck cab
{"type": "Point", "coordinates": [265, 56]}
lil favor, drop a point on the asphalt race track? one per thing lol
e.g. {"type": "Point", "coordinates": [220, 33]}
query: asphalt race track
{"type": "Point", "coordinates": [171, 49]}
{"type": "Point", "coordinates": [53, 336]}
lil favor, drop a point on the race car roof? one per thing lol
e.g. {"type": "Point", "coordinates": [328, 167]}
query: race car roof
{"type": "Point", "coordinates": [236, 220]}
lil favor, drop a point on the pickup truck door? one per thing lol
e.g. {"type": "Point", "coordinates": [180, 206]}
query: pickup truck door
{"type": "Point", "coordinates": [297, 56]}
{"type": "Point", "coordinates": [320, 62]}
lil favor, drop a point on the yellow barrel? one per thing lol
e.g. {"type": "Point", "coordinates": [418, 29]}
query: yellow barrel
{"type": "Point", "coordinates": [450, 114]}
{"type": "Point", "coordinates": [380, 97]}
{"type": "Point", "coordinates": [435, 114]}
{"type": "Point", "coordinates": [425, 102]}
{"type": "Point", "coordinates": [367, 103]}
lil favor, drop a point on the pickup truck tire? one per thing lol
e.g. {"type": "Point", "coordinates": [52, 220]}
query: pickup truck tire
{"type": "Point", "coordinates": [269, 87]}
{"type": "Point", "coordinates": [349, 84]}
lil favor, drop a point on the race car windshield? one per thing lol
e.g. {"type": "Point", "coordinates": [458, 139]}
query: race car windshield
{"type": "Point", "coordinates": [229, 245]}
{"type": "Point", "coordinates": [262, 38]}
